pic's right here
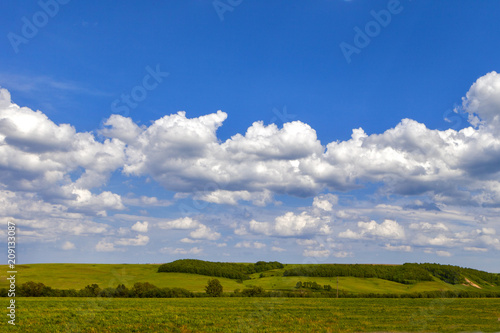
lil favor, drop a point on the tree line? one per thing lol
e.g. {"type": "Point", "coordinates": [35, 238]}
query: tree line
{"type": "Point", "coordinates": [214, 289]}
{"type": "Point", "coordinates": [312, 285]}
{"type": "Point", "coordinates": [455, 274]}
{"type": "Point", "coordinates": [407, 273]}
{"type": "Point", "coordinates": [139, 289]}
{"type": "Point", "coordinates": [218, 269]}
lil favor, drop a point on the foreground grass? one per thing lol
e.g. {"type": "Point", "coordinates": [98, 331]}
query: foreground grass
{"type": "Point", "coordinates": [255, 315]}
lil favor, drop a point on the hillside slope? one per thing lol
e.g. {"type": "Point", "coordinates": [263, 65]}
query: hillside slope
{"type": "Point", "coordinates": [77, 276]}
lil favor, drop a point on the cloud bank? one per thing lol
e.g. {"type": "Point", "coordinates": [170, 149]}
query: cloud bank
{"type": "Point", "coordinates": [55, 177]}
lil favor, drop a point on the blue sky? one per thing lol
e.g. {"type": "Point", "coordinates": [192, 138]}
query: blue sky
{"type": "Point", "coordinates": [243, 130]}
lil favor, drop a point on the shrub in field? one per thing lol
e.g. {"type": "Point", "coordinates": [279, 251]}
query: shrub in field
{"type": "Point", "coordinates": [177, 292]}
{"type": "Point", "coordinates": [254, 291]}
{"type": "Point", "coordinates": [312, 285]}
{"type": "Point", "coordinates": [213, 288]}
{"type": "Point", "coordinates": [108, 292]}
{"type": "Point", "coordinates": [66, 293]}
{"type": "Point", "coordinates": [34, 289]}
{"type": "Point", "coordinates": [91, 290]}
{"type": "Point", "coordinates": [144, 289]}
{"type": "Point", "coordinates": [122, 291]}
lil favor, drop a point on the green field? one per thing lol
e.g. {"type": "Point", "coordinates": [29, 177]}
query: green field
{"type": "Point", "coordinates": [77, 276]}
{"type": "Point", "coordinates": [255, 315]}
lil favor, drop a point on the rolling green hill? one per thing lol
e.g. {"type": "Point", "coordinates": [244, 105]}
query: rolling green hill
{"type": "Point", "coordinates": [77, 276]}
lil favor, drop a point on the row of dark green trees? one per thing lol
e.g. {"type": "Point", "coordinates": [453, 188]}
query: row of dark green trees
{"type": "Point", "coordinates": [406, 273]}
{"type": "Point", "coordinates": [218, 269]}
{"type": "Point", "coordinates": [140, 289]}
{"type": "Point", "coordinates": [214, 289]}
{"type": "Point", "coordinates": [313, 286]}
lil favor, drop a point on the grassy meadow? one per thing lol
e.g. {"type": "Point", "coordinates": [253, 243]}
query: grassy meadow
{"type": "Point", "coordinates": [48, 314]}
{"type": "Point", "coordinates": [241, 314]}
{"type": "Point", "coordinates": [77, 276]}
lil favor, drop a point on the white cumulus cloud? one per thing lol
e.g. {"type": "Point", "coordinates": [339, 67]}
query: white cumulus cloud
{"type": "Point", "coordinates": [182, 223]}
{"type": "Point", "coordinates": [68, 246]}
{"type": "Point", "coordinates": [104, 246]}
{"type": "Point", "coordinates": [204, 232]}
{"type": "Point", "coordinates": [291, 225]}
{"type": "Point", "coordinates": [387, 229]}
{"type": "Point", "coordinates": [483, 100]}
{"type": "Point", "coordinates": [250, 245]}
{"type": "Point", "coordinates": [140, 226]}
{"type": "Point", "coordinates": [140, 240]}
{"type": "Point", "coordinates": [402, 248]}
{"type": "Point", "coordinates": [316, 253]}
{"type": "Point", "coordinates": [193, 250]}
